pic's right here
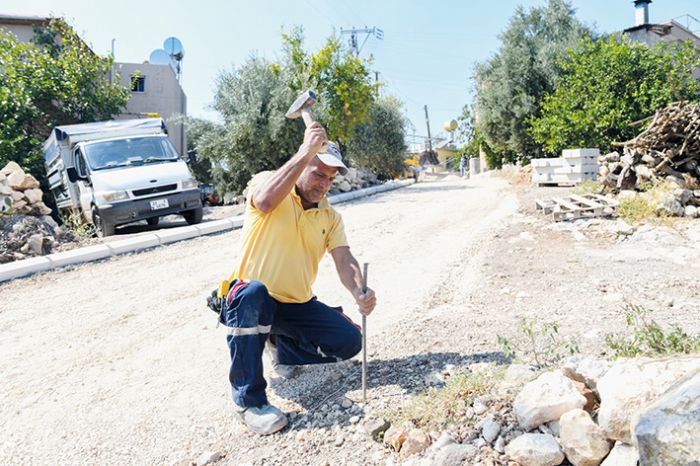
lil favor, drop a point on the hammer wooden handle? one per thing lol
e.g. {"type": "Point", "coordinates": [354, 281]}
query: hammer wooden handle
{"type": "Point", "coordinates": [308, 119]}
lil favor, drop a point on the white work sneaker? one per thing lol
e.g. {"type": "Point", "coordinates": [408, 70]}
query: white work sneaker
{"type": "Point", "coordinates": [264, 420]}
{"type": "Point", "coordinates": [284, 371]}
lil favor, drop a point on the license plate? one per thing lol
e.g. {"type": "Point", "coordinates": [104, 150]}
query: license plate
{"type": "Point", "coordinates": [159, 204]}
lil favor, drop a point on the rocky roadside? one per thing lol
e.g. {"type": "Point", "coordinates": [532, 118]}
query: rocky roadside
{"type": "Point", "coordinates": [26, 227]}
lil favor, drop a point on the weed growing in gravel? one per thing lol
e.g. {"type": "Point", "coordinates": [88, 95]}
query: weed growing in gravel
{"type": "Point", "coordinates": [642, 206]}
{"type": "Point", "coordinates": [538, 344]}
{"type": "Point", "coordinates": [78, 226]}
{"type": "Point", "coordinates": [589, 187]}
{"type": "Point", "coordinates": [636, 208]}
{"type": "Point", "coordinates": [437, 408]}
{"type": "Point", "coordinates": [648, 338]}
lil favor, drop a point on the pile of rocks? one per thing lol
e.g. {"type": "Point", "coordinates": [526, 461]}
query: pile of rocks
{"type": "Point", "coordinates": [20, 193]}
{"type": "Point", "coordinates": [589, 412]}
{"type": "Point", "coordinates": [26, 228]}
{"type": "Point", "coordinates": [354, 179]}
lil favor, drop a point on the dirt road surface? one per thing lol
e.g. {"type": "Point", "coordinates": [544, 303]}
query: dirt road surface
{"type": "Point", "coordinates": [119, 362]}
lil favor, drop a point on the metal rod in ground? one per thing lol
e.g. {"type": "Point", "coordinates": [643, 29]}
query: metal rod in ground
{"type": "Point", "coordinates": [364, 338]}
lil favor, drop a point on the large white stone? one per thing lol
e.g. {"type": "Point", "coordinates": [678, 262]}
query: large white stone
{"type": "Point", "coordinates": [33, 195]}
{"type": "Point", "coordinates": [622, 454]}
{"type": "Point", "coordinates": [545, 399]}
{"type": "Point", "coordinates": [535, 450]}
{"type": "Point", "coordinates": [11, 167]}
{"type": "Point", "coordinates": [416, 441]}
{"type": "Point", "coordinates": [669, 430]}
{"type": "Point", "coordinates": [344, 186]}
{"type": "Point", "coordinates": [585, 369]}
{"type": "Point", "coordinates": [631, 385]}
{"type": "Point", "coordinates": [15, 179]}
{"type": "Point", "coordinates": [582, 440]}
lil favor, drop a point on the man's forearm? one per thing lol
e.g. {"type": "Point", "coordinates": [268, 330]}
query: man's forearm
{"type": "Point", "coordinates": [270, 194]}
{"type": "Point", "coordinates": [350, 274]}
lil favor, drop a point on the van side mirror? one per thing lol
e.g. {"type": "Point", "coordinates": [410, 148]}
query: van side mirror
{"type": "Point", "coordinates": [72, 174]}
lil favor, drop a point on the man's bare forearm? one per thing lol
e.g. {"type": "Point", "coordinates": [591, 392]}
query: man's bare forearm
{"type": "Point", "coordinates": [268, 196]}
{"type": "Point", "coordinates": [348, 269]}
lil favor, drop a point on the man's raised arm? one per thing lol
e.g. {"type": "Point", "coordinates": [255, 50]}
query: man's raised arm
{"type": "Point", "coordinates": [280, 184]}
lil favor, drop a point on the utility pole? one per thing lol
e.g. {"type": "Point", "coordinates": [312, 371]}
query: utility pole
{"type": "Point", "coordinates": [427, 123]}
{"type": "Point", "coordinates": [354, 49]}
{"type": "Point", "coordinates": [376, 81]}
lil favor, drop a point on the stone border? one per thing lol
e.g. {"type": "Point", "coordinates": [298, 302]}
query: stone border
{"type": "Point", "coordinates": [158, 238]}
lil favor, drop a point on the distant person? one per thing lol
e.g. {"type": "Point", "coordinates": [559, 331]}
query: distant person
{"type": "Point", "coordinates": [462, 165]}
{"type": "Point", "coordinates": [288, 227]}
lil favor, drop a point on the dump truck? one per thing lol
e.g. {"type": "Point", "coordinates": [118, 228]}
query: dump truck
{"type": "Point", "coordinates": [118, 172]}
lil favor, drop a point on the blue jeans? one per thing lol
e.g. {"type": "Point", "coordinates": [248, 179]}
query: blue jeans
{"type": "Point", "coordinates": [305, 333]}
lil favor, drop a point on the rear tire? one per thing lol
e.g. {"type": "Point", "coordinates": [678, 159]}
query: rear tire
{"type": "Point", "coordinates": [102, 227]}
{"type": "Point", "coordinates": [193, 216]}
{"type": "Point", "coordinates": [153, 221]}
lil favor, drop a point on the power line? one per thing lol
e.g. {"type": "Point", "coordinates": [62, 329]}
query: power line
{"type": "Point", "coordinates": [355, 49]}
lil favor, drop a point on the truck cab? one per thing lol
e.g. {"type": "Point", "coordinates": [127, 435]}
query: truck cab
{"type": "Point", "coordinates": [120, 172]}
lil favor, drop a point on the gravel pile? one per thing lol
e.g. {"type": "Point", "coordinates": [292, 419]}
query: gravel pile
{"type": "Point", "coordinates": [23, 236]}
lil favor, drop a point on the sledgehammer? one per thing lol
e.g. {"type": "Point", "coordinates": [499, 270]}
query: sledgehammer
{"type": "Point", "coordinates": [364, 338]}
{"type": "Point", "coordinates": [301, 108]}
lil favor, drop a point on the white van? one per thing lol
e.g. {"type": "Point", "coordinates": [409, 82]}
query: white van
{"type": "Point", "coordinates": [118, 172]}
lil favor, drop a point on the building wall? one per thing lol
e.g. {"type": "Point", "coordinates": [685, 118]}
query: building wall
{"type": "Point", "coordinates": [677, 33]}
{"type": "Point", "coordinates": [24, 32]}
{"type": "Point", "coordinates": [162, 95]}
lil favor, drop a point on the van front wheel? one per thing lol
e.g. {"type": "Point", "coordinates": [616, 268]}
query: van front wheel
{"type": "Point", "coordinates": [103, 228]}
{"type": "Point", "coordinates": [193, 216]}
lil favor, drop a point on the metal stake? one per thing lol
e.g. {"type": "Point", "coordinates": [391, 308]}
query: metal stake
{"type": "Point", "coordinates": [364, 338]}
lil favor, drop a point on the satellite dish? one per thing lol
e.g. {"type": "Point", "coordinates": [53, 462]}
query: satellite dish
{"type": "Point", "coordinates": [160, 57]}
{"type": "Point", "coordinates": [173, 47]}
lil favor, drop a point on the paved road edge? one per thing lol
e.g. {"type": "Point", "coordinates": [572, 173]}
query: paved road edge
{"type": "Point", "coordinates": [158, 238]}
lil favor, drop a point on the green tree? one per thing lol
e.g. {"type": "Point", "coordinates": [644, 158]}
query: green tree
{"type": "Point", "coordinates": [254, 98]}
{"type": "Point", "coordinates": [256, 135]}
{"type": "Point", "coordinates": [202, 135]}
{"type": "Point", "coordinates": [343, 83]}
{"type": "Point", "coordinates": [472, 141]}
{"type": "Point", "coordinates": [607, 85]}
{"type": "Point", "coordinates": [54, 80]}
{"type": "Point", "coordinates": [510, 86]}
{"type": "Point", "coordinates": [378, 143]}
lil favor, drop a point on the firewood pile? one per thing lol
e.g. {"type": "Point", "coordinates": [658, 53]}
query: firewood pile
{"type": "Point", "coordinates": [667, 150]}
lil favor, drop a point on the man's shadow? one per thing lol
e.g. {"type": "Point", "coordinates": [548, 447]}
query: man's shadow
{"type": "Point", "coordinates": [325, 384]}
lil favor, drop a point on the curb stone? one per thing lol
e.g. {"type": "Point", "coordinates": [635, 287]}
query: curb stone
{"type": "Point", "coordinates": [33, 265]}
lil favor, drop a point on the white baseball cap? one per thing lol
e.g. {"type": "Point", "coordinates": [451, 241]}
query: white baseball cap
{"type": "Point", "coordinates": [333, 158]}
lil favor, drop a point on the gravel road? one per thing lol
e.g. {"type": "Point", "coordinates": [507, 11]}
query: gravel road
{"type": "Point", "coordinates": [119, 362]}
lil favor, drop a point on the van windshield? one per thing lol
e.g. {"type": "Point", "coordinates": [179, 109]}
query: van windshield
{"type": "Point", "coordinates": [128, 152]}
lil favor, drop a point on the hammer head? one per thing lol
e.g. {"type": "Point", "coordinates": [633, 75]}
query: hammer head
{"type": "Point", "coordinates": [305, 100]}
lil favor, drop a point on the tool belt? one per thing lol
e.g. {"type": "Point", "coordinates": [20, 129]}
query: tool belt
{"type": "Point", "coordinates": [216, 300]}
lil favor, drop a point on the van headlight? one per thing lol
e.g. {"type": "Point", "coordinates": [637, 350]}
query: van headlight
{"type": "Point", "coordinates": [114, 196]}
{"type": "Point", "coordinates": [189, 184]}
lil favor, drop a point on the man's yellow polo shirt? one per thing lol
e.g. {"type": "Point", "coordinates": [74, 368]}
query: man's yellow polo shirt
{"type": "Point", "coordinates": [283, 248]}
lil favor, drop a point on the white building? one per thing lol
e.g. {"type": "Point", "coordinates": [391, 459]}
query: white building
{"type": "Point", "coordinates": [650, 33]}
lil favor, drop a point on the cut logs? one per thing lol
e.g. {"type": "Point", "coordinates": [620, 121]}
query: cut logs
{"type": "Point", "coordinates": [667, 150]}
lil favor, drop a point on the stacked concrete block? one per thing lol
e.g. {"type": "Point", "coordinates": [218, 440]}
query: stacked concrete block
{"type": "Point", "coordinates": [573, 167]}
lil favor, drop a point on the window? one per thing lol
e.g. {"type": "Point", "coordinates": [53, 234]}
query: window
{"type": "Point", "coordinates": [138, 83]}
{"type": "Point", "coordinates": [80, 163]}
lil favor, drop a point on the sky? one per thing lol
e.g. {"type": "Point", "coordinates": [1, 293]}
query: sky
{"type": "Point", "coordinates": [426, 56]}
